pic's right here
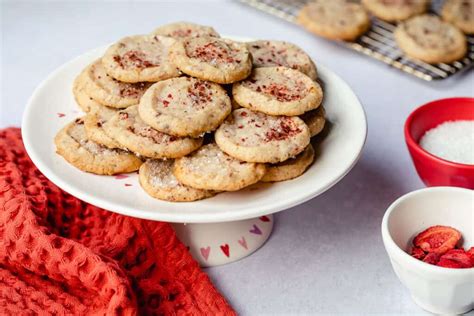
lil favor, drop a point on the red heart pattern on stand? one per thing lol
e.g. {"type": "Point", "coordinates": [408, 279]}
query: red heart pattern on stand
{"type": "Point", "coordinates": [225, 249]}
{"type": "Point", "coordinates": [255, 230]}
{"type": "Point", "coordinates": [205, 252]}
{"type": "Point", "coordinates": [243, 242]}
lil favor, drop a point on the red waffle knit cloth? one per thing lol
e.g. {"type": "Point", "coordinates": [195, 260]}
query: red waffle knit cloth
{"type": "Point", "coordinates": [59, 255]}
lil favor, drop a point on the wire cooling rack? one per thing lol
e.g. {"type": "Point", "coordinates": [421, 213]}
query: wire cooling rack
{"type": "Point", "coordinates": [377, 43]}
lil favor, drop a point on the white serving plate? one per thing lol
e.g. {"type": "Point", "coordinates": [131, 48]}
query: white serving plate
{"type": "Point", "coordinates": [52, 106]}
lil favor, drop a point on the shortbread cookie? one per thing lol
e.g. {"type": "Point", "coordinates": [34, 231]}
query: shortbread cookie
{"type": "Point", "coordinates": [85, 102]}
{"type": "Point", "coordinates": [459, 13]}
{"type": "Point", "coordinates": [184, 106]}
{"type": "Point", "coordinates": [72, 143]}
{"type": "Point", "coordinates": [257, 137]}
{"type": "Point", "coordinates": [335, 19]}
{"type": "Point", "coordinates": [429, 39]}
{"type": "Point", "coordinates": [94, 124]}
{"type": "Point", "coordinates": [157, 179]}
{"type": "Point", "coordinates": [278, 91]}
{"type": "Point", "coordinates": [129, 130]}
{"type": "Point", "coordinates": [214, 59]}
{"type": "Point", "coordinates": [278, 53]}
{"type": "Point", "coordinates": [315, 120]}
{"type": "Point", "coordinates": [140, 58]}
{"type": "Point", "coordinates": [291, 168]}
{"type": "Point", "coordinates": [185, 29]}
{"type": "Point", "coordinates": [396, 10]}
{"type": "Point", "coordinates": [209, 168]}
{"type": "Point", "coordinates": [109, 91]}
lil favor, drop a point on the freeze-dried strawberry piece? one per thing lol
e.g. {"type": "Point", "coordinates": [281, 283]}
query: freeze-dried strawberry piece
{"type": "Point", "coordinates": [446, 263]}
{"type": "Point", "coordinates": [470, 251]}
{"type": "Point", "coordinates": [437, 239]}
{"type": "Point", "coordinates": [418, 253]}
{"type": "Point", "coordinates": [431, 258]}
{"type": "Point", "coordinates": [458, 255]}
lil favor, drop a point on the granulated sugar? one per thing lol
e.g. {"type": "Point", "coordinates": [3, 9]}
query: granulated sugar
{"type": "Point", "coordinates": [453, 141]}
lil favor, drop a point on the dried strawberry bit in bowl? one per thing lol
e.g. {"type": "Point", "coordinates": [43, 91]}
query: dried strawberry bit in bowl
{"type": "Point", "coordinates": [437, 239]}
{"type": "Point", "coordinates": [418, 253]}
{"type": "Point", "coordinates": [456, 258]}
{"type": "Point", "coordinates": [431, 258]}
{"type": "Point", "coordinates": [437, 246]}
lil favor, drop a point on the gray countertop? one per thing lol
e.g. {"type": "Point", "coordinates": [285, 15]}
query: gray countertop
{"type": "Point", "coordinates": [325, 256]}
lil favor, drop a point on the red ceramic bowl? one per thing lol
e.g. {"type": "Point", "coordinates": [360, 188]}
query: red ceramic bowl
{"type": "Point", "coordinates": [435, 171]}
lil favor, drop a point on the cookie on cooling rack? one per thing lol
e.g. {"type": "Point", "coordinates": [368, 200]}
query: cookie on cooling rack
{"type": "Point", "coordinates": [184, 30]}
{"type": "Point", "coordinates": [315, 120]}
{"type": "Point", "coordinates": [211, 58]}
{"type": "Point", "coordinates": [140, 58]}
{"type": "Point", "coordinates": [396, 10]}
{"type": "Point", "coordinates": [278, 91]}
{"type": "Point", "coordinates": [209, 168]}
{"type": "Point", "coordinates": [291, 168]}
{"type": "Point", "coordinates": [266, 53]}
{"type": "Point", "coordinates": [99, 85]}
{"type": "Point", "coordinates": [258, 137]}
{"type": "Point", "coordinates": [157, 179]}
{"type": "Point", "coordinates": [335, 19]}
{"type": "Point", "coordinates": [94, 124]}
{"type": "Point", "coordinates": [184, 106]}
{"type": "Point", "coordinates": [128, 129]}
{"type": "Point", "coordinates": [428, 38]}
{"type": "Point", "coordinates": [72, 143]}
{"type": "Point", "coordinates": [459, 13]}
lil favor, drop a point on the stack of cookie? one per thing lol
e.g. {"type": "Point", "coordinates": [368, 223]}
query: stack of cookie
{"type": "Point", "coordinates": [195, 113]}
{"type": "Point", "coordinates": [421, 36]}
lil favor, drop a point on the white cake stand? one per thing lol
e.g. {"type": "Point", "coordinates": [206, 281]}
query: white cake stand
{"type": "Point", "coordinates": [218, 230]}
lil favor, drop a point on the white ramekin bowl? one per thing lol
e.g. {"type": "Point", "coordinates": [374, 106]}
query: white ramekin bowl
{"type": "Point", "coordinates": [435, 289]}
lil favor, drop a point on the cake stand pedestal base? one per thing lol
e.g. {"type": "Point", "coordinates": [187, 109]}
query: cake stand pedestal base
{"type": "Point", "coordinates": [215, 244]}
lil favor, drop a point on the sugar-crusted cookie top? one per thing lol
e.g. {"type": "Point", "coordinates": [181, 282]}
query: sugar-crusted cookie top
{"type": "Point", "coordinates": [249, 128]}
{"type": "Point", "coordinates": [185, 29]}
{"type": "Point", "coordinates": [431, 32]}
{"type": "Point", "coordinates": [131, 121]}
{"type": "Point", "coordinates": [140, 58]}
{"type": "Point", "coordinates": [336, 13]}
{"type": "Point", "coordinates": [186, 96]}
{"type": "Point", "coordinates": [77, 132]}
{"type": "Point", "coordinates": [103, 114]}
{"type": "Point", "coordinates": [211, 160]}
{"type": "Point", "coordinates": [140, 52]}
{"type": "Point", "coordinates": [220, 53]}
{"type": "Point", "coordinates": [161, 175]}
{"type": "Point", "coordinates": [104, 88]}
{"type": "Point", "coordinates": [279, 53]}
{"type": "Point", "coordinates": [211, 169]}
{"type": "Point", "coordinates": [278, 83]}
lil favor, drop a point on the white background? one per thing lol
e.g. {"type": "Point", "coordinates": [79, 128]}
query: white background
{"type": "Point", "coordinates": [325, 256]}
